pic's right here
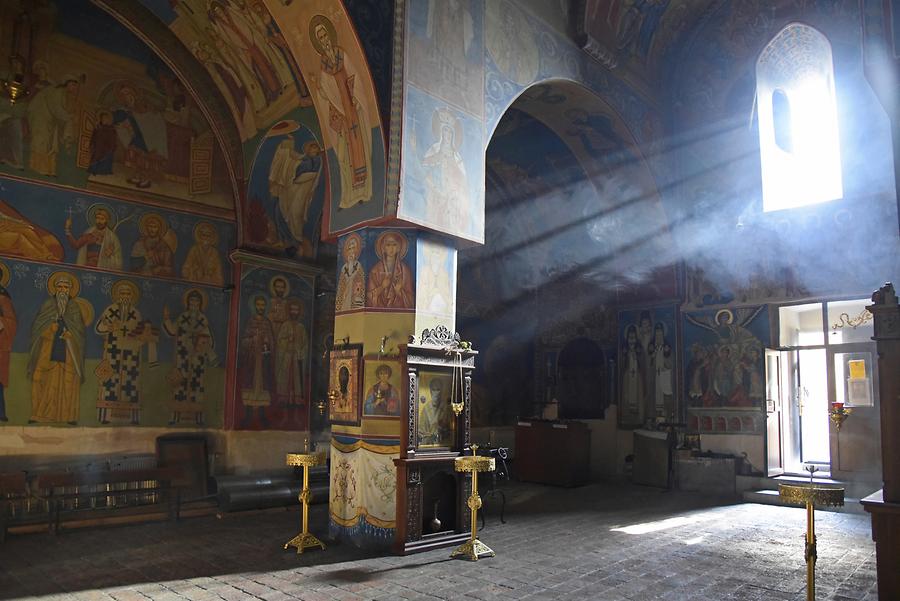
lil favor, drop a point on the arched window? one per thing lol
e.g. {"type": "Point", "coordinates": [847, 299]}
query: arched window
{"type": "Point", "coordinates": [798, 129]}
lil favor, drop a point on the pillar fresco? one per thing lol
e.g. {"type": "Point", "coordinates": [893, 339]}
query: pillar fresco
{"type": "Point", "coordinates": [391, 283]}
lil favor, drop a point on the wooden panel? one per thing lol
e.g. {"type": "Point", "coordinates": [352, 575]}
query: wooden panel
{"type": "Point", "coordinates": [553, 452]}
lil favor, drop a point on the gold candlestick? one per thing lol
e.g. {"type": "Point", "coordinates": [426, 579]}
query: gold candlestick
{"type": "Point", "coordinates": [811, 496]}
{"type": "Point", "coordinates": [474, 548]}
{"type": "Point", "coordinates": [305, 539]}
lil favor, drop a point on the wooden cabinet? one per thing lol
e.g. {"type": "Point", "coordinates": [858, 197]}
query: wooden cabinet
{"type": "Point", "coordinates": [550, 452]}
{"type": "Point", "coordinates": [431, 495]}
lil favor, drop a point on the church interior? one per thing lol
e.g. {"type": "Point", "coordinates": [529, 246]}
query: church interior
{"type": "Point", "coordinates": [269, 263]}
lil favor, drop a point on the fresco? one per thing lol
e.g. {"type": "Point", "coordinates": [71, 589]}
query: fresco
{"type": "Point", "coordinates": [647, 366]}
{"type": "Point", "coordinates": [512, 42]}
{"type": "Point", "coordinates": [376, 270]}
{"type": "Point", "coordinates": [390, 280]}
{"type": "Point", "coordinates": [286, 192]}
{"type": "Point", "coordinates": [351, 282]}
{"type": "Point", "coordinates": [87, 348]}
{"type": "Point", "coordinates": [245, 53]}
{"type": "Point", "coordinates": [274, 346]}
{"type": "Point", "coordinates": [105, 113]}
{"type": "Point", "coordinates": [436, 284]}
{"type": "Point", "coordinates": [443, 173]}
{"type": "Point", "coordinates": [749, 257]}
{"type": "Point", "coordinates": [44, 223]}
{"type": "Point", "coordinates": [635, 36]}
{"type": "Point", "coordinates": [342, 90]}
{"type": "Point", "coordinates": [445, 52]}
{"type": "Point", "coordinates": [725, 351]}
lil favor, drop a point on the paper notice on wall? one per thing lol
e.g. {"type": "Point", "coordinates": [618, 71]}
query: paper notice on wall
{"type": "Point", "coordinates": [858, 392]}
{"type": "Point", "coordinates": [857, 369]}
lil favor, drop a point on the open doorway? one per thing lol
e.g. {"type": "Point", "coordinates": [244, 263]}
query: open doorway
{"type": "Point", "coordinates": [826, 360]}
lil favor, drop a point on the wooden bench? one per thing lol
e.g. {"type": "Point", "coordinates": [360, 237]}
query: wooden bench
{"type": "Point", "coordinates": [67, 491]}
{"type": "Point", "coordinates": [13, 487]}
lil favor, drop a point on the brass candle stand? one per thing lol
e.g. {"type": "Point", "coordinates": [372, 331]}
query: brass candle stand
{"type": "Point", "coordinates": [473, 548]}
{"type": "Point", "coordinates": [838, 414]}
{"type": "Point", "coordinates": [306, 460]}
{"type": "Point", "coordinates": [811, 496]}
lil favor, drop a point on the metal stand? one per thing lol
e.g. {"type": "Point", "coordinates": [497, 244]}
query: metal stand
{"type": "Point", "coordinates": [305, 539]}
{"type": "Point", "coordinates": [811, 496]}
{"type": "Point", "coordinates": [474, 548]}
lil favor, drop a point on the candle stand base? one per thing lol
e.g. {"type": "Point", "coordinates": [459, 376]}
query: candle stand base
{"type": "Point", "coordinates": [304, 540]}
{"type": "Point", "coordinates": [472, 550]}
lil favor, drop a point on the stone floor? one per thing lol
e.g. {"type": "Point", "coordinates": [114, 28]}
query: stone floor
{"type": "Point", "coordinates": [604, 541]}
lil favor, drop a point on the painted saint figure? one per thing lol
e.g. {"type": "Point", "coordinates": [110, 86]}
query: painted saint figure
{"type": "Point", "coordinates": [153, 253]}
{"type": "Point", "coordinates": [8, 325]}
{"type": "Point", "coordinates": [51, 122]}
{"type": "Point", "coordinates": [124, 334]}
{"type": "Point", "coordinates": [293, 178]}
{"type": "Point", "coordinates": [142, 131]}
{"type": "Point", "coordinates": [348, 124]}
{"type": "Point", "coordinates": [351, 287]}
{"type": "Point", "coordinates": [194, 354]}
{"type": "Point", "coordinates": [256, 363]}
{"type": "Point", "coordinates": [56, 358]}
{"type": "Point", "coordinates": [203, 262]}
{"type": "Point", "coordinates": [291, 352]}
{"type": "Point", "coordinates": [660, 363]}
{"type": "Point", "coordinates": [104, 141]}
{"type": "Point", "coordinates": [383, 397]}
{"type": "Point", "coordinates": [446, 181]}
{"type": "Point", "coordinates": [435, 426]}
{"type": "Point", "coordinates": [391, 280]}
{"type": "Point", "coordinates": [632, 378]}
{"type": "Point", "coordinates": [99, 245]}
{"type": "Point", "coordinates": [278, 302]}
{"type": "Point", "coordinates": [234, 28]}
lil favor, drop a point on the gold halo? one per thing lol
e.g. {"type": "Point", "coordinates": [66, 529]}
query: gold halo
{"type": "Point", "coordinates": [379, 244]}
{"type": "Point", "coordinates": [359, 244]}
{"type": "Point", "coordinates": [287, 285]}
{"type": "Point", "coordinates": [5, 274]}
{"type": "Point", "coordinates": [207, 226]}
{"type": "Point", "coordinates": [204, 299]}
{"type": "Point", "coordinates": [74, 284]}
{"type": "Point", "coordinates": [728, 314]}
{"type": "Point", "coordinates": [163, 224]}
{"type": "Point", "coordinates": [329, 28]}
{"type": "Point", "coordinates": [90, 214]}
{"type": "Point", "coordinates": [455, 124]}
{"type": "Point", "coordinates": [135, 291]}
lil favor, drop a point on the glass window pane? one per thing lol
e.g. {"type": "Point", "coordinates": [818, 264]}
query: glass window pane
{"type": "Point", "coordinates": [849, 321]}
{"type": "Point", "coordinates": [853, 379]}
{"type": "Point", "coordinates": [801, 325]}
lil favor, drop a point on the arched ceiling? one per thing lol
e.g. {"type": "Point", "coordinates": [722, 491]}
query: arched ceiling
{"type": "Point", "coordinates": [571, 203]}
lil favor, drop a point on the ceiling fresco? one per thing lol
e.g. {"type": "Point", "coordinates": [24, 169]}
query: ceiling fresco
{"type": "Point", "coordinates": [634, 36]}
{"type": "Point", "coordinates": [244, 51]}
{"type": "Point", "coordinates": [106, 113]}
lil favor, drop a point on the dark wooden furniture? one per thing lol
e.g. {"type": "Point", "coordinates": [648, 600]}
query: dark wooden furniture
{"type": "Point", "coordinates": [13, 488]}
{"type": "Point", "coordinates": [431, 496]}
{"type": "Point", "coordinates": [187, 451]}
{"type": "Point", "coordinates": [552, 452]}
{"type": "Point", "coordinates": [884, 504]}
{"type": "Point", "coordinates": [127, 490]}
